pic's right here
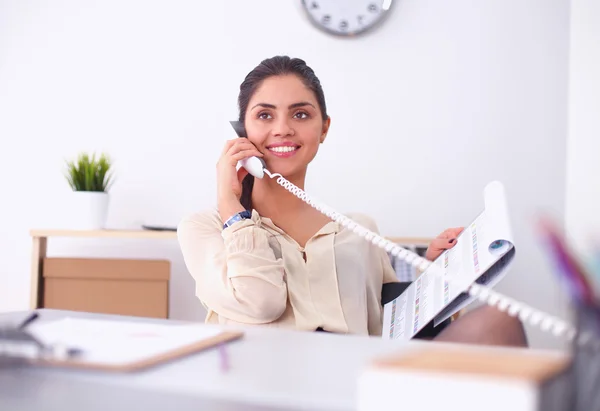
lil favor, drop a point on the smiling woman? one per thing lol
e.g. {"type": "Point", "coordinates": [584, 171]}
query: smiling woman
{"type": "Point", "coordinates": [266, 257]}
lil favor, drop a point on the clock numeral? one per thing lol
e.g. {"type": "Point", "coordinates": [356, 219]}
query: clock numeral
{"type": "Point", "coordinates": [360, 19]}
{"type": "Point", "coordinates": [326, 19]}
{"type": "Point", "coordinates": [314, 5]}
{"type": "Point", "coordinates": [372, 7]}
{"type": "Point", "coordinates": [343, 25]}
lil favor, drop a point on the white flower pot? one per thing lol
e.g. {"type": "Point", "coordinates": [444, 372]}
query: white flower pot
{"type": "Point", "coordinates": [90, 209]}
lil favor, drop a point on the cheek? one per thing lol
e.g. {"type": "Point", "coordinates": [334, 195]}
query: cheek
{"type": "Point", "coordinates": [258, 142]}
{"type": "Point", "coordinates": [313, 136]}
{"type": "Point", "coordinates": [256, 135]}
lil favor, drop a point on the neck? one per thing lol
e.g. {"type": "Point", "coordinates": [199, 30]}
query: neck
{"type": "Point", "coordinates": [271, 200]}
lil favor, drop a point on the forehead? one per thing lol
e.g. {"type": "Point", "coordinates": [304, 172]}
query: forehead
{"type": "Point", "coordinates": [285, 89]}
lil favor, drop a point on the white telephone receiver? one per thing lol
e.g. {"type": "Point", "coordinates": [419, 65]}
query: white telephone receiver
{"type": "Point", "coordinates": [257, 167]}
{"type": "Point", "coordinates": [254, 165]}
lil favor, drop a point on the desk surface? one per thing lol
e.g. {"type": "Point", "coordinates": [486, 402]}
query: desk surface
{"type": "Point", "coordinates": [271, 369]}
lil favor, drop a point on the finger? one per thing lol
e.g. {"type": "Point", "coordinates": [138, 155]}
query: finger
{"type": "Point", "coordinates": [433, 253]}
{"type": "Point", "coordinates": [444, 234]}
{"type": "Point", "coordinates": [228, 145]}
{"type": "Point", "coordinates": [442, 243]}
{"type": "Point", "coordinates": [456, 231]}
{"type": "Point", "coordinates": [236, 150]}
{"type": "Point", "coordinates": [451, 233]}
{"type": "Point", "coordinates": [245, 154]}
{"type": "Point", "coordinates": [244, 144]}
{"type": "Point", "coordinates": [239, 153]}
{"type": "Point", "coordinates": [241, 174]}
{"type": "Point", "coordinates": [234, 145]}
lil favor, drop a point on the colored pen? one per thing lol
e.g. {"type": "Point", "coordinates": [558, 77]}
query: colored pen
{"type": "Point", "coordinates": [224, 357]}
{"type": "Point", "coordinates": [566, 266]}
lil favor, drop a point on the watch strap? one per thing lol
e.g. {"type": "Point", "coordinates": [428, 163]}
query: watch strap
{"type": "Point", "coordinates": [242, 215]}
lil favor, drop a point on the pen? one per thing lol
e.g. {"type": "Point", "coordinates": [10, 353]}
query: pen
{"type": "Point", "coordinates": [31, 318]}
{"type": "Point", "coordinates": [573, 273]}
{"type": "Point", "coordinates": [224, 357]}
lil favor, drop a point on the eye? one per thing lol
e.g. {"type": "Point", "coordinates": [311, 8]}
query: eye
{"type": "Point", "coordinates": [264, 115]}
{"type": "Point", "coordinates": [301, 115]}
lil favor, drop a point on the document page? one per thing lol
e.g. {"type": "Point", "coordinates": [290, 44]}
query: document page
{"type": "Point", "coordinates": [481, 254]}
{"type": "Point", "coordinates": [119, 342]}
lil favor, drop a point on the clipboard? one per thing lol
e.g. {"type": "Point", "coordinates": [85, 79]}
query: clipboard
{"type": "Point", "coordinates": [116, 346]}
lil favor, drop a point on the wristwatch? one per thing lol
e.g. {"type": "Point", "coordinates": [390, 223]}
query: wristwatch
{"type": "Point", "coordinates": [242, 215]}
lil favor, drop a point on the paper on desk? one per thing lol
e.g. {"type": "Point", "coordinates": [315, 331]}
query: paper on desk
{"type": "Point", "coordinates": [120, 342]}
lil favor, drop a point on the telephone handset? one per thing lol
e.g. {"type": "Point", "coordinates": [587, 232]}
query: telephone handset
{"type": "Point", "coordinates": [257, 167]}
{"type": "Point", "coordinates": [254, 165]}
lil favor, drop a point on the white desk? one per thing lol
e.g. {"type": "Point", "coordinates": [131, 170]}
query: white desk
{"type": "Point", "coordinates": [272, 369]}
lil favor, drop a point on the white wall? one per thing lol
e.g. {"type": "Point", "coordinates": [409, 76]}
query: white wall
{"type": "Point", "coordinates": [583, 167]}
{"type": "Point", "coordinates": [441, 99]}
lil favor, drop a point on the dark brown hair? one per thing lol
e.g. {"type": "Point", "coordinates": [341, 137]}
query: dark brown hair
{"type": "Point", "coordinates": [274, 66]}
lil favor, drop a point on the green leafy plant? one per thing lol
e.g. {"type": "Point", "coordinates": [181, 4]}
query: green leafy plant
{"type": "Point", "coordinates": [87, 173]}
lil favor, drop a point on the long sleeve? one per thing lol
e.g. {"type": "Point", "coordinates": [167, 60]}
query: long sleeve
{"type": "Point", "coordinates": [236, 272]}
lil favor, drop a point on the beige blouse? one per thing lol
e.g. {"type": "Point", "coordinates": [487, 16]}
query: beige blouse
{"type": "Point", "coordinates": [253, 273]}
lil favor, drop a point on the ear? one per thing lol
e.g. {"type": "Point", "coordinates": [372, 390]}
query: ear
{"type": "Point", "coordinates": [326, 125]}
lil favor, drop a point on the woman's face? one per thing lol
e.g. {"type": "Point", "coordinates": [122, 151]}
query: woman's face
{"type": "Point", "coordinates": [284, 122]}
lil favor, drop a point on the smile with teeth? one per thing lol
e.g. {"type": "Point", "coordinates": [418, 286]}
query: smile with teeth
{"type": "Point", "coordinates": [283, 149]}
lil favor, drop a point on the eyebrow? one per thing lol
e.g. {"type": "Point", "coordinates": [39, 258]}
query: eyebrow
{"type": "Point", "coordinates": [291, 106]}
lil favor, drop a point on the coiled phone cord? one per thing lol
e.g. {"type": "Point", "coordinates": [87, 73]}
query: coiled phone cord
{"type": "Point", "coordinates": [485, 294]}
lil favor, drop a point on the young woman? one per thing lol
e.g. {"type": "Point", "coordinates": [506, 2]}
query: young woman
{"type": "Point", "coordinates": [266, 257]}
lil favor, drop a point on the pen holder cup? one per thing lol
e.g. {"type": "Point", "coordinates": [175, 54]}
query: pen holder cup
{"type": "Point", "coordinates": [585, 367]}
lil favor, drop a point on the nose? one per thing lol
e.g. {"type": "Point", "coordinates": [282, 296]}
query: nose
{"type": "Point", "coordinates": [282, 127]}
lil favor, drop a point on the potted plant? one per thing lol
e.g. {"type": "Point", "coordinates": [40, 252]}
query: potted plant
{"type": "Point", "coordinates": [90, 180]}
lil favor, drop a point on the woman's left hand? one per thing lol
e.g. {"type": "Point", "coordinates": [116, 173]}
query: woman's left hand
{"type": "Point", "coordinates": [444, 241]}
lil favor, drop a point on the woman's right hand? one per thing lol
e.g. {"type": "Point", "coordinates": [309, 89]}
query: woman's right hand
{"type": "Point", "coordinates": [229, 181]}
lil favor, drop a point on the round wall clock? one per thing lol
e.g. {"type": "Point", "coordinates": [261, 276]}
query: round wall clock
{"type": "Point", "coordinates": [346, 17]}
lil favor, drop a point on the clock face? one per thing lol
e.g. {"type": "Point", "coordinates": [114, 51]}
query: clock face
{"type": "Point", "coordinates": [346, 17]}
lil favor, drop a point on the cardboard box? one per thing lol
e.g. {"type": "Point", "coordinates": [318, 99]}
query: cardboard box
{"type": "Point", "coordinates": [110, 286]}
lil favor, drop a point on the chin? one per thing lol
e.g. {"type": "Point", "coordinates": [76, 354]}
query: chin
{"type": "Point", "coordinates": [286, 170]}
{"type": "Point", "coordinates": [288, 167]}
